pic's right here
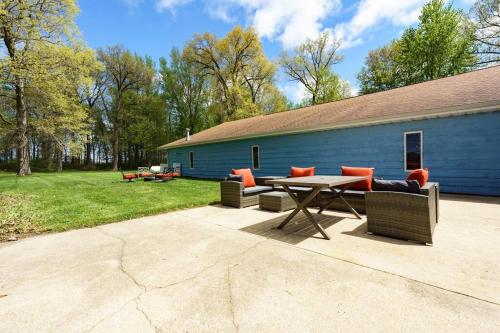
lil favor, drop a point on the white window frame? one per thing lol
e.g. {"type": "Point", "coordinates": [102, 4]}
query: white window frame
{"type": "Point", "coordinates": [421, 132]}
{"type": "Point", "coordinates": [191, 160]}
{"type": "Point", "coordinates": [258, 152]}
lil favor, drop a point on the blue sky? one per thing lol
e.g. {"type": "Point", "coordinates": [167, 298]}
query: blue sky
{"type": "Point", "coordinates": [153, 27]}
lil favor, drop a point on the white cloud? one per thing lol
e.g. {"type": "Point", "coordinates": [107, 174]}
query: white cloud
{"type": "Point", "coordinates": [295, 91]}
{"type": "Point", "coordinates": [132, 3]}
{"type": "Point", "coordinates": [292, 21]}
{"type": "Point", "coordinates": [162, 5]}
{"type": "Point", "coordinates": [289, 21]}
{"type": "Point", "coordinates": [370, 13]}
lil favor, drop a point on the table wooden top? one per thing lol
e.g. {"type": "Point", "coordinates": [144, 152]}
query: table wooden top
{"type": "Point", "coordinates": [317, 181]}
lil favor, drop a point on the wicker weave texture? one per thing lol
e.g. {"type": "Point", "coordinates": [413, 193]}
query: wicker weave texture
{"type": "Point", "coordinates": [231, 193]}
{"type": "Point", "coordinates": [276, 202]}
{"type": "Point", "coordinates": [402, 215]}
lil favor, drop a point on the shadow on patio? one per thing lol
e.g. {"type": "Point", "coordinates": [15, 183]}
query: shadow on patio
{"type": "Point", "coordinates": [294, 232]}
{"type": "Point", "coordinates": [300, 229]}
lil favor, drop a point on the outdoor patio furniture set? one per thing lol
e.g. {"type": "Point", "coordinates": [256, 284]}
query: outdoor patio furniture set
{"type": "Point", "coordinates": [406, 209]}
{"type": "Point", "coordinates": [160, 174]}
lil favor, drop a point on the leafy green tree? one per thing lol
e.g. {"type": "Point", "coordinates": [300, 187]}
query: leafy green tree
{"type": "Point", "coordinates": [237, 70]}
{"type": "Point", "coordinates": [441, 45]}
{"type": "Point", "coordinates": [25, 27]}
{"type": "Point", "coordinates": [273, 100]}
{"type": "Point", "coordinates": [311, 65]}
{"type": "Point", "coordinates": [380, 71]}
{"type": "Point", "coordinates": [333, 89]}
{"type": "Point", "coordinates": [124, 72]}
{"type": "Point", "coordinates": [186, 92]}
{"type": "Point", "coordinates": [486, 26]}
{"type": "Point", "coordinates": [57, 115]}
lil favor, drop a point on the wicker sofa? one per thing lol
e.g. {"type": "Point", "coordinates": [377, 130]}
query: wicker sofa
{"type": "Point", "coordinates": [357, 199]}
{"type": "Point", "coordinates": [400, 215]}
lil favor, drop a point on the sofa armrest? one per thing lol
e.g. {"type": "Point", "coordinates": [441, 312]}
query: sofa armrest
{"type": "Point", "coordinates": [231, 186]}
{"type": "Point", "coordinates": [429, 186]}
{"type": "Point", "coordinates": [431, 189]}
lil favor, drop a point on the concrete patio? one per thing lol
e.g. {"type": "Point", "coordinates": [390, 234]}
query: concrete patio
{"type": "Point", "coordinates": [218, 269]}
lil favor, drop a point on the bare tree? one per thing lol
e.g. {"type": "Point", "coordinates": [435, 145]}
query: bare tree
{"type": "Point", "coordinates": [486, 17]}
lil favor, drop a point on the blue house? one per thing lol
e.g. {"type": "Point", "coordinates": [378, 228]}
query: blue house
{"type": "Point", "coordinates": [450, 126]}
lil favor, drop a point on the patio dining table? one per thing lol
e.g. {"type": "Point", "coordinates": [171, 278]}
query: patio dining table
{"type": "Point", "coordinates": [337, 184]}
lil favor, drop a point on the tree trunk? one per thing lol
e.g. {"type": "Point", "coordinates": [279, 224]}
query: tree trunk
{"type": "Point", "coordinates": [47, 153]}
{"type": "Point", "coordinates": [23, 161]}
{"type": "Point", "coordinates": [59, 159]}
{"type": "Point", "coordinates": [88, 152]}
{"type": "Point", "coordinates": [114, 147]}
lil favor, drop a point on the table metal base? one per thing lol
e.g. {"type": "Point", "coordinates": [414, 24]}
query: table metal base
{"type": "Point", "coordinates": [302, 206]}
{"type": "Point", "coordinates": [338, 195]}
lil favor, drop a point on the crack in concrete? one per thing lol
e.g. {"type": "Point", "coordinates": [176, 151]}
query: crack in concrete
{"type": "Point", "coordinates": [138, 308]}
{"type": "Point", "coordinates": [231, 301]}
{"type": "Point", "coordinates": [193, 277]}
{"type": "Point", "coordinates": [136, 300]}
{"type": "Point", "coordinates": [120, 259]}
{"type": "Point", "coordinates": [108, 316]}
{"type": "Point", "coordinates": [197, 274]}
{"type": "Point", "coordinates": [145, 289]}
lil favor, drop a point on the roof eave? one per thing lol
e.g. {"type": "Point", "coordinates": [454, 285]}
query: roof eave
{"type": "Point", "coordinates": [426, 114]}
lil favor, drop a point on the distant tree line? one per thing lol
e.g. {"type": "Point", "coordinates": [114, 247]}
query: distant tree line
{"type": "Point", "coordinates": [65, 105]}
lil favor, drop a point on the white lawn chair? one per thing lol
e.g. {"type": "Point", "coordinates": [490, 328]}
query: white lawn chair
{"type": "Point", "coordinates": [155, 169]}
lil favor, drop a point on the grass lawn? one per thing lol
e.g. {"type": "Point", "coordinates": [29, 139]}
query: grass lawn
{"type": "Point", "coordinates": [50, 202]}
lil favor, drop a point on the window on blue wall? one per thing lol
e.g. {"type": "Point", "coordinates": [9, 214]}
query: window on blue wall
{"type": "Point", "coordinates": [191, 159]}
{"type": "Point", "coordinates": [413, 142]}
{"type": "Point", "coordinates": [255, 157]}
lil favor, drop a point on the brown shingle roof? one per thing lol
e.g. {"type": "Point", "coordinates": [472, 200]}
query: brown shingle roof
{"type": "Point", "coordinates": [473, 89]}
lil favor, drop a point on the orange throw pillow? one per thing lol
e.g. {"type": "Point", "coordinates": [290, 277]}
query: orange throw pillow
{"type": "Point", "coordinates": [248, 180]}
{"type": "Point", "coordinates": [301, 172]}
{"type": "Point", "coordinates": [364, 185]}
{"type": "Point", "coordinates": [420, 175]}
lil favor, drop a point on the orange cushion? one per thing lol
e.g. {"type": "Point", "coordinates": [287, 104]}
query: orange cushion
{"type": "Point", "coordinates": [301, 172]}
{"type": "Point", "coordinates": [129, 176]}
{"type": "Point", "coordinates": [364, 185]}
{"type": "Point", "coordinates": [248, 180]}
{"type": "Point", "coordinates": [420, 175]}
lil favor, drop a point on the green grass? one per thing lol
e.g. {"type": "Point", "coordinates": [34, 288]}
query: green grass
{"type": "Point", "coordinates": [51, 202]}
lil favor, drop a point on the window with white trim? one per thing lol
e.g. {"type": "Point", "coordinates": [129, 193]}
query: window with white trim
{"type": "Point", "coordinates": [191, 160]}
{"type": "Point", "coordinates": [255, 158]}
{"type": "Point", "coordinates": [413, 150]}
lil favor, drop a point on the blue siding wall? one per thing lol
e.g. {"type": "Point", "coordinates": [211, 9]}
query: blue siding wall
{"type": "Point", "coordinates": [462, 153]}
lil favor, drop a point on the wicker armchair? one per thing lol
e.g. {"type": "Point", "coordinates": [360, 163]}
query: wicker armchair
{"type": "Point", "coordinates": [234, 194]}
{"type": "Point", "coordinates": [404, 215]}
